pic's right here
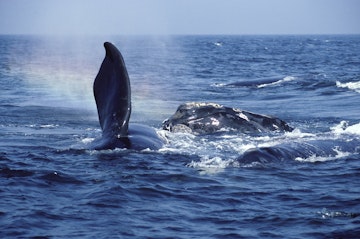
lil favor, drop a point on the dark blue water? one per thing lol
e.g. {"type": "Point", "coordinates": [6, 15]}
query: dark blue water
{"type": "Point", "coordinates": [213, 186]}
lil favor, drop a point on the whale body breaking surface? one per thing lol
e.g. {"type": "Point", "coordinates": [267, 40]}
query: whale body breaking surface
{"type": "Point", "coordinates": [112, 92]}
{"type": "Point", "coordinates": [205, 118]}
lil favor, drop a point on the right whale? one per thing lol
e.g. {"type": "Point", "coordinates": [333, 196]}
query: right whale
{"type": "Point", "coordinates": [205, 118]}
{"type": "Point", "coordinates": [112, 94]}
{"type": "Point", "coordinates": [302, 150]}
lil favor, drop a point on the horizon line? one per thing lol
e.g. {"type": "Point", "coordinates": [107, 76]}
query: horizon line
{"type": "Point", "coordinates": [175, 34]}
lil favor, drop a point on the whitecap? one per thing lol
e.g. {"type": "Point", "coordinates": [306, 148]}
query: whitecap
{"type": "Point", "coordinates": [218, 84]}
{"type": "Point", "coordinates": [212, 165]}
{"type": "Point", "coordinates": [43, 126]}
{"type": "Point", "coordinates": [315, 158]}
{"type": "Point", "coordinates": [350, 85]}
{"type": "Point", "coordinates": [87, 140]}
{"type": "Point", "coordinates": [344, 128]}
{"type": "Point", "coordinates": [298, 134]}
{"type": "Point", "coordinates": [49, 126]}
{"type": "Point", "coordinates": [285, 79]}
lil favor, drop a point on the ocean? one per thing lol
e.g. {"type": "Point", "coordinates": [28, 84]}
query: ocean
{"type": "Point", "coordinates": [222, 185]}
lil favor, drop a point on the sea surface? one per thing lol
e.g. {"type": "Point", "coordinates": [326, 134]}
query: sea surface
{"type": "Point", "coordinates": [300, 184]}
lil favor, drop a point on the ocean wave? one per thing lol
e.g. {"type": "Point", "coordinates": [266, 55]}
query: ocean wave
{"type": "Point", "coordinates": [344, 128]}
{"type": "Point", "coordinates": [10, 173]}
{"type": "Point", "coordinates": [43, 126]}
{"type": "Point", "coordinates": [214, 165]}
{"type": "Point", "coordinates": [61, 178]}
{"type": "Point", "coordinates": [285, 79]}
{"type": "Point", "coordinates": [258, 82]}
{"type": "Point", "coordinates": [316, 158]}
{"type": "Point", "coordinates": [355, 86]}
{"type": "Point", "coordinates": [328, 214]}
{"type": "Point", "coordinates": [229, 150]}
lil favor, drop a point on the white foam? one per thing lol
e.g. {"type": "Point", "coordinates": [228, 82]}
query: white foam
{"type": "Point", "coordinates": [106, 151]}
{"type": "Point", "coordinates": [315, 158]}
{"type": "Point", "coordinates": [207, 162]}
{"type": "Point", "coordinates": [213, 150]}
{"type": "Point", "coordinates": [87, 140]}
{"type": "Point", "coordinates": [178, 142]}
{"type": "Point", "coordinates": [326, 214]}
{"type": "Point", "coordinates": [350, 85]}
{"type": "Point", "coordinates": [344, 128]}
{"type": "Point", "coordinates": [49, 126]}
{"type": "Point", "coordinates": [213, 146]}
{"type": "Point", "coordinates": [218, 84]}
{"type": "Point", "coordinates": [297, 133]}
{"type": "Point", "coordinates": [43, 126]}
{"type": "Point", "coordinates": [285, 79]}
{"type": "Point", "coordinates": [217, 152]}
{"type": "Point", "coordinates": [214, 165]}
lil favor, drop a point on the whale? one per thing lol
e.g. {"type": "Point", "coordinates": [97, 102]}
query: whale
{"type": "Point", "coordinates": [112, 94]}
{"type": "Point", "coordinates": [316, 150]}
{"type": "Point", "coordinates": [205, 118]}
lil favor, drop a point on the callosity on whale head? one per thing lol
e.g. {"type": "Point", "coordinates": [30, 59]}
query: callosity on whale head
{"type": "Point", "coordinates": [205, 118]}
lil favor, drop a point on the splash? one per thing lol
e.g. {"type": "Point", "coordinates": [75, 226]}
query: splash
{"type": "Point", "coordinates": [316, 158]}
{"type": "Point", "coordinates": [215, 163]}
{"type": "Point", "coordinates": [285, 79]}
{"type": "Point", "coordinates": [231, 150]}
{"type": "Point", "coordinates": [328, 214]}
{"type": "Point", "coordinates": [344, 128]}
{"type": "Point", "coordinates": [355, 86]}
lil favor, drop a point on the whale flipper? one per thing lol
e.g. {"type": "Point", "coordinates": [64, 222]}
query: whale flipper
{"type": "Point", "coordinates": [112, 94]}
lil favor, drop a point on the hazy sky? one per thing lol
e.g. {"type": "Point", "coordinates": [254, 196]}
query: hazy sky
{"type": "Point", "coordinates": [122, 17]}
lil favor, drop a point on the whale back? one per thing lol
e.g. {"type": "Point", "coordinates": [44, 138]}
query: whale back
{"type": "Point", "coordinates": [113, 94]}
